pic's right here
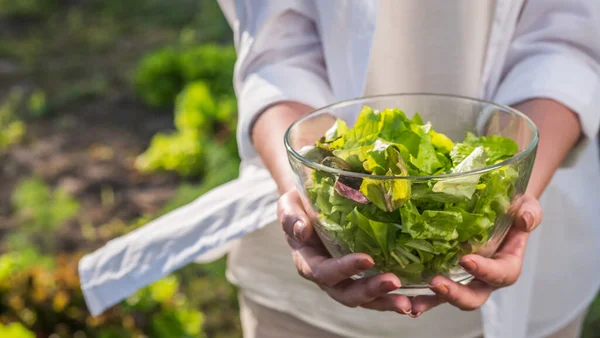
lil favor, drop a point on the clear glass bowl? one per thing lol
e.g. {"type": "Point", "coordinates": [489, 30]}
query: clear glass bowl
{"type": "Point", "coordinates": [450, 115]}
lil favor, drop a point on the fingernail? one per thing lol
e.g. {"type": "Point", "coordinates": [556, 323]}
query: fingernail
{"type": "Point", "coordinates": [415, 315]}
{"type": "Point", "coordinates": [298, 230]}
{"type": "Point", "coordinates": [440, 289]}
{"type": "Point", "coordinates": [363, 264]}
{"type": "Point", "coordinates": [387, 286]}
{"type": "Point", "coordinates": [404, 311]}
{"type": "Point", "coordinates": [528, 217]}
{"type": "Point", "coordinates": [468, 265]}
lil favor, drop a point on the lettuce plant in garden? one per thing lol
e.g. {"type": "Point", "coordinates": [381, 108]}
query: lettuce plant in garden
{"type": "Point", "coordinates": [204, 108]}
{"type": "Point", "coordinates": [162, 74]}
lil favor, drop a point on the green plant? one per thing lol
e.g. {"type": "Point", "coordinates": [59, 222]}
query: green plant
{"type": "Point", "coordinates": [197, 109]}
{"type": "Point", "coordinates": [204, 108]}
{"type": "Point", "coordinates": [221, 167]}
{"type": "Point", "coordinates": [211, 63]}
{"type": "Point", "coordinates": [13, 262]}
{"type": "Point", "coordinates": [182, 152]}
{"type": "Point", "coordinates": [158, 78]}
{"type": "Point", "coordinates": [15, 330]}
{"type": "Point", "coordinates": [591, 326]}
{"type": "Point", "coordinates": [39, 208]}
{"type": "Point", "coordinates": [49, 301]}
{"type": "Point", "coordinates": [161, 75]}
{"type": "Point", "coordinates": [197, 116]}
{"type": "Point", "coordinates": [37, 103]}
{"type": "Point", "coordinates": [30, 8]}
{"type": "Point", "coordinates": [12, 129]}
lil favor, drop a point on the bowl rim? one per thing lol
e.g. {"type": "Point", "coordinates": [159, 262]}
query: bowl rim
{"type": "Point", "coordinates": [338, 172]}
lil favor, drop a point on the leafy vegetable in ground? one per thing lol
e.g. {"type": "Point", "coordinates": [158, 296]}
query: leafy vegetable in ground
{"type": "Point", "coordinates": [12, 129]}
{"type": "Point", "coordinates": [414, 228]}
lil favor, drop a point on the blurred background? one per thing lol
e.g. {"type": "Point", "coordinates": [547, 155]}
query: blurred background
{"type": "Point", "coordinates": [113, 113]}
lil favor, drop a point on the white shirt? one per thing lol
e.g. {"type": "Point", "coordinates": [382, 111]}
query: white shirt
{"type": "Point", "coordinates": [317, 52]}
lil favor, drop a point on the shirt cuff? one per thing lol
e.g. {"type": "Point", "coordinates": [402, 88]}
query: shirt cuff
{"type": "Point", "coordinates": [273, 84]}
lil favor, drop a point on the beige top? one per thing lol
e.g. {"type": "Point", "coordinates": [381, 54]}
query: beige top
{"type": "Point", "coordinates": [431, 46]}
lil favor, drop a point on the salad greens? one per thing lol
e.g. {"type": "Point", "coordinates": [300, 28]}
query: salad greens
{"type": "Point", "coordinates": [413, 228]}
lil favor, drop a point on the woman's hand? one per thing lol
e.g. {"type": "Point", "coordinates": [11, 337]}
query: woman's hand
{"type": "Point", "coordinates": [333, 275]}
{"type": "Point", "coordinates": [502, 270]}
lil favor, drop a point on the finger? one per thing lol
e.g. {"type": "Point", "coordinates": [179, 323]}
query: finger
{"type": "Point", "coordinates": [390, 302]}
{"type": "Point", "coordinates": [528, 214]}
{"type": "Point", "coordinates": [353, 293]}
{"type": "Point", "coordinates": [292, 216]}
{"type": "Point", "coordinates": [465, 297]}
{"type": "Point", "coordinates": [421, 304]}
{"type": "Point", "coordinates": [314, 264]}
{"type": "Point", "coordinates": [505, 267]}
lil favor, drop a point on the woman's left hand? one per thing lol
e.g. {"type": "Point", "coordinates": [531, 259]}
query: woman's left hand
{"type": "Point", "coordinates": [502, 270]}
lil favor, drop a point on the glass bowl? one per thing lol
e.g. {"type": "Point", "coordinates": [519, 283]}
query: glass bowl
{"type": "Point", "coordinates": [414, 241]}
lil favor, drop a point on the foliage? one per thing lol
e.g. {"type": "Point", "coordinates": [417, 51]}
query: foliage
{"type": "Point", "coordinates": [591, 326]}
{"type": "Point", "coordinates": [49, 301]}
{"type": "Point", "coordinates": [12, 129]}
{"type": "Point", "coordinates": [15, 330]}
{"type": "Point", "coordinates": [212, 64]}
{"type": "Point", "coordinates": [171, 307]}
{"type": "Point", "coordinates": [39, 288]}
{"type": "Point", "coordinates": [197, 109]}
{"type": "Point", "coordinates": [41, 209]}
{"type": "Point", "coordinates": [197, 115]}
{"type": "Point", "coordinates": [151, 12]}
{"type": "Point", "coordinates": [182, 152]}
{"type": "Point", "coordinates": [158, 77]}
{"type": "Point", "coordinates": [28, 8]}
{"type": "Point", "coordinates": [37, 103]}
{"type": "Point", "coordinates": [163, 73]}
{"type": "Point", "coordinates": [221, 167]}
{"type": "Point", "coordinates": [204, 105]}
{"type": "Point", "coordinates": [13, 262]}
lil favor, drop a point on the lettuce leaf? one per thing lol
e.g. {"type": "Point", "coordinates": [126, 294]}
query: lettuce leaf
{"type": "Point", "coordinates": [365, 130]}
{"type": "Point", "coordinates": [463, 187]}
{"type": "Point", "coordinates": [496, 147]}
{"type": "Point", "coordinates": [338, 130]}
{"type": "Point", "coordinates": [415, 229]}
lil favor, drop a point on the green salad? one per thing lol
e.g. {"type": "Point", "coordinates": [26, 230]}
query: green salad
{"type": "Point", "coordinates": [414, 228]}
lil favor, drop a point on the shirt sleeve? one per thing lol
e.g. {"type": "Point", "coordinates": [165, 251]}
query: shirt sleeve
{"type": "Point", "coordinates": [555, 54]}
{"type": "Point", "coordinates": [280, 58]}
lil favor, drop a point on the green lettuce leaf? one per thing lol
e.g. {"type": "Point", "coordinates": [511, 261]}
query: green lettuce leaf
{"type": "Point", "coordinates": [427, 160]}
{"type": "Point", "coordinates": [379, 231]}
{"type": "Point", "coordinates": [463, 187]}
{"type": "Point", "coordinates": [365, 130]}
{"type": "Point", "coordinates": [355, 156]}
{"type": "Point", "coordinates": [415, 229]}
{"type": "Point", "coordinates": [431, 224]}
{"type": "Point", "coordinates": [496, 147]}
{"type": "Point", "coordinates": [338, 130]}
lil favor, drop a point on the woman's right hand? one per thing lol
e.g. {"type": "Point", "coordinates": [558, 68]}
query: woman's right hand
{"type": "Point", "coordinates": [333, 275]}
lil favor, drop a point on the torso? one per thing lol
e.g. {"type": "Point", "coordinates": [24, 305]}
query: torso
{"type": "Point", "coordinates": [562, 247]}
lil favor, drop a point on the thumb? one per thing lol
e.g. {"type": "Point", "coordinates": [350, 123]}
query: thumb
{"type": "Point", "coordinates": [293, 217]}
{"type": "Point", "coordinates": [529, 214]}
